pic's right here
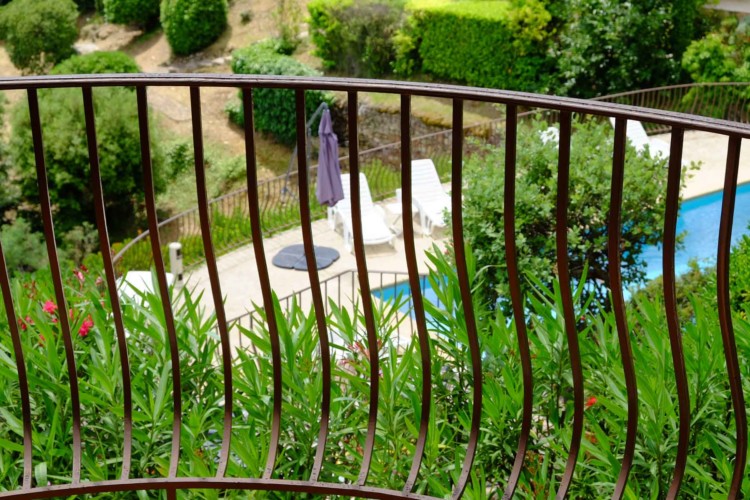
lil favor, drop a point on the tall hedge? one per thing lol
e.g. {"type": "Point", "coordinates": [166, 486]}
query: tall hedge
{"type": "Point", "coordinates": [274, 109]}
{"type": "Point", "coordinates": [39, 33]}
{"type": "Point", "coordinates": [192, 25]}
{"type": "Point", "coordinates": [139, 12]}
{"type": "Point", "coordinates": [356, 37]}
{"type": "Point", "coordinates": [497, 43]}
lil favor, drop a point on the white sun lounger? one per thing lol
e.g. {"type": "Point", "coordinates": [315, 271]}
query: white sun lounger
{"type": "Point", "coordinates": [640, 140]}
{"type": "Point", "coordinates": [375, 231]}
{"type": "Point", "coordinates": [428, 195]}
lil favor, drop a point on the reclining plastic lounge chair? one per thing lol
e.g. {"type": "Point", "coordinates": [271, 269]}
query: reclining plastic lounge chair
{"type": "Point", "coordinates": [375, 231]}
{"type": "Point", "coordinates": [428, 195]}
{"type": "Point", "coordinates": [638, 137]}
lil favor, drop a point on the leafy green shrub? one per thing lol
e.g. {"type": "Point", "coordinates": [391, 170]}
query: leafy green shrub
{"type": "Point", "coordinates": [39, 33]}
{"type": "Point", "coordinates": [274, 109]}
{"type": "Point", "coordinates": [97, 62]}
{"type": "Point", "coordinates": [140, 12]}
{"type": "Point", "coordinates": [287, 17]}
{"type": "Point", "coordinates": [66, 152]}
{"type": "Point", "coordinates": [192, 25]}
{"type": "Point", "coordinates": [488, 44]}
{"type": "Point", "coordinates": [536, 189]}
{"type": "Point", "coordinates": [636, 45]}
{"type": "Point", "coordinates": [24, 250]}
{"type": "Point", "coordinates": [356, 37]}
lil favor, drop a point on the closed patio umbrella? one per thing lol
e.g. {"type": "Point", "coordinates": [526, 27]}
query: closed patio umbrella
{"type": "Point", "coordinates": [329, 190]}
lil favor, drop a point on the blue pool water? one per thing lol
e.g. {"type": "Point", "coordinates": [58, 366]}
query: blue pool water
{"type": "Point", "coordinates": [402, 290]}
{"type": "Point", "coordinates": [698, 218]}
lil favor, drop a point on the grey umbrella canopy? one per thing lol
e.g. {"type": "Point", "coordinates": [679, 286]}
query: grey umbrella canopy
{"type": "Point", "coordinates": [329, 190]}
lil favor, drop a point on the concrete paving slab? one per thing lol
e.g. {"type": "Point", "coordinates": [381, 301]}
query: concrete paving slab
{"type": "Point", "coordinates": [240, 281]}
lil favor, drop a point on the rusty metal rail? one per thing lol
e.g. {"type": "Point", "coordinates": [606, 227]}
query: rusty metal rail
{"type": "Point", "coordinates": [513, 101]}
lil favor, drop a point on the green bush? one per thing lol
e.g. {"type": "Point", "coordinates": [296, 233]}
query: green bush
{"type": "Point", "coordinates": [636, 45]}
{"type": "Point", "coordinates": [274, 109]}
{"type": "Point", "coordinates": [39, 33]}
{"type": "Point", "coordinates": [192, 25]}
{"type": "Point", "coordinates": [287, 17]}
{"type": "Point", "coordinates": [536, 189]}
{"type": "Point", "coordinates": [139, 12]}
{"type": "Point", "coordinates": [24, 250]}
{"type": "Point", "coordinates": [722, 55]}
{"type": "Point", "coordinates": [499, 43]}
{"type": "Point", "coordinates": [356, 37]}
{"type": "Point", "coordinates": [66, 152]}
{"type": "Point", "coordinates": [97, 62]}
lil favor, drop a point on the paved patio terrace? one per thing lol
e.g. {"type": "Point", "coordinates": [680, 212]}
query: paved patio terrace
{"type": "Point", "coordinates": [239, 274]}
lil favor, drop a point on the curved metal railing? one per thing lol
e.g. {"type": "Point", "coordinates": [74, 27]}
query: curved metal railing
{"type": "Point", "coordinates": [272, 478]}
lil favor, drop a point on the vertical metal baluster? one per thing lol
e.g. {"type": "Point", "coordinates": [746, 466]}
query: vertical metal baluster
{"type": "Point", "coordinates": [23, 382]}
{"type": "Point", "coordinates": [670, 304]}
{"type": "Point", "coordinates": [614, 228]}
{"type": "Point", "coordinates": [265, 282]}
{"type": "Point", "coordinates": [465, 287]}
{"type": "Point", "coordinates": [213, 276]}
{"type": "Point", "coordinates": [725, 314]}
{"type": "Point", "coordinates": [49, 236]}
{"type": "Point", "coordinates": [109, 270]}
{"type": "Point", "coordinates": [416, 292]}
{"type": "Point", "coordinates": [516, 295]}
{"type": "Point", "coordinates": [571, 333]}
{"type": "Point", "coordinates": [312, 270]}
{"type": "Point", "coordinates": [161, 276]}
{"type": "Point", "coordinates": [364, 285]}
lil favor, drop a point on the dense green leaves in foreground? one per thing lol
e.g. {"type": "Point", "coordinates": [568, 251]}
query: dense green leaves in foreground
{"type": "Point", "coordinates": [99, 372]}
{"type": "Point", "coordinates": [589, 199]}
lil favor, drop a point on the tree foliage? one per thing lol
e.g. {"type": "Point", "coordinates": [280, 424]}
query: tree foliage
{"type": "Point", "coordinates": [67, 159]}
{"type": "Point", "coordinates": [192, 25]}
{"type": "Point", "coordinates": [140, 12]}
{"type": "Point", "coordinates": [39, 33]}
{"type": "Point", "coordinates": [356, 37]}
{"type": "Point", "coordinates": [97, 62]}
{"type": "Point", "coordinates": [536, 191]}
{"type": "Point", "coordinates": [609, 46]}
{"type": "Point", "coordinates": [722, 55]}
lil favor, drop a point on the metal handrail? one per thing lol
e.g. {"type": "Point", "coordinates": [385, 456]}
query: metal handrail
{"type": "Point", "coordinates": [415, 451]}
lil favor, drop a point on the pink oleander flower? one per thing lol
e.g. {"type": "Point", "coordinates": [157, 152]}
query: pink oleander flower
{"type": "Point", "coordinates": [78, 274]}
{"type": "Point", "coordinates": [87, 324]}
{"type": "Point", "coordinates": [49, 307]}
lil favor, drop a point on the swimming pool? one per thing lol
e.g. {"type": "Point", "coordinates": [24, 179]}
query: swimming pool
{"type": "Point", "coordinates": [402, 289]}
{"type": "Point", "coordinates": [699, 218]}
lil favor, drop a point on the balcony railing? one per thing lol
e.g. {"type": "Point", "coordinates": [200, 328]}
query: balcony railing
{"type": "Point", "coordinates": [272, 479]}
